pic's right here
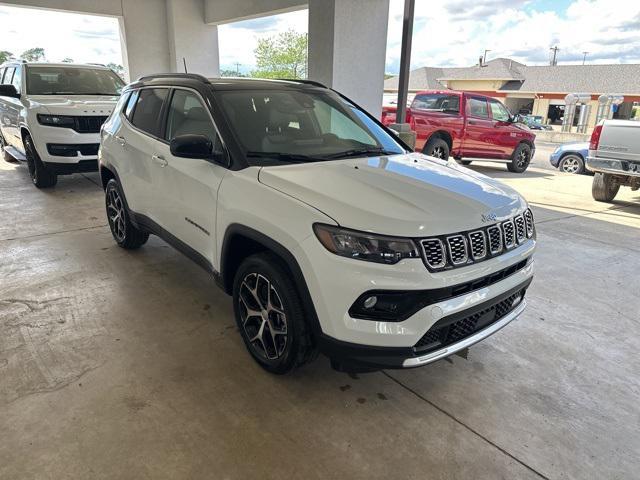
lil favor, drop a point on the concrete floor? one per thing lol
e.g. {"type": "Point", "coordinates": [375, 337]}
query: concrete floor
{"type": "Point", "coordinates": [116, 364]}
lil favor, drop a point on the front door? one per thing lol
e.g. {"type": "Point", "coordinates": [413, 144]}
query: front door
{"type": "Point", "coordinates": [187, 188]}
{"type": "Point", "coordinates": [505, 133]}
{"type": "Point", "coordinates": [478, 141]}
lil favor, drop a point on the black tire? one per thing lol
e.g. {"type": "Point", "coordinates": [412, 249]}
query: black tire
{"type": "Point", "coordinates": [292, 345]}
{"type": "Point", "coordinates": [604, 187]}
{"type": "Point", "coordinates": [571, 163]}
{"type": "Point", "coordinates": [124, 232]}
{"type": "Point", "coordinates": [40, 175]}
{"type": "Point", "coordinates": [520, 159]}
{"type": "Point", "coordinates": [437, 147]}
{"type": "Point", "coordinates": [464, 162]}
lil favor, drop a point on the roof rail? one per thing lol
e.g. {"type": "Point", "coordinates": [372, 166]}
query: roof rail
{"type": "Point", "coordinates": [307, 82]}
{"type": "Point", "coordinates": [98, 64]}
{"type": "Point", "coordinates": [193, 76]}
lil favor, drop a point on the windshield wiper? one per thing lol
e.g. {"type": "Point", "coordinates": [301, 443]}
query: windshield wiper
{"type": "Point", "coordinates": [286, 157]}
{"type": "Point", "coordinates": [359, 152]}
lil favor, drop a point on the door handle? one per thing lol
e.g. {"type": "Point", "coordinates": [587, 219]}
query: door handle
{"type": "Point", "coordinates": [121, 140]}
{"type": "Point", "coordinates": [159, 160]}
{"type": "Point", "coordinates": [471, 122]}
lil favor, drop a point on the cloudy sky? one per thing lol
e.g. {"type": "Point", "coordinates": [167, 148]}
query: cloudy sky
{"type": "Point", "coordinates": [446, 32]}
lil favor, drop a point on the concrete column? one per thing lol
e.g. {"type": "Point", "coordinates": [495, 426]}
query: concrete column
{"type": "Point", "coordinates": [190, 38]}
{"type": "Point", "coordinates": [144, 37]}
{"type": "Point", "coordinates": [347, 48]}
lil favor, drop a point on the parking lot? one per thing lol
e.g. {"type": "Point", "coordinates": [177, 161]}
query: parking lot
{"type": "Point", "coordinates": [118, 364]}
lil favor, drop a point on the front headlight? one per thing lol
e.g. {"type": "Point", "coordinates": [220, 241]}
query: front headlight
{"type": "Point", "coordinates": [64, 121]}
{"type": "Point", "coordinates": [365, 246]}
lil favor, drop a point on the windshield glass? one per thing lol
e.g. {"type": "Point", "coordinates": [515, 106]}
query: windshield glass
{"type": "Point", "coordinates": [298, 126]}
{"type": "Point", "coordinates": [72, 81]}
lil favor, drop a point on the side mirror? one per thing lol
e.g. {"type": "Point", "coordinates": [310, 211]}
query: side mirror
{"type": "Point", "coordinates": [195, 146]}
{"type": "Point", "coordinates": [9, 91]}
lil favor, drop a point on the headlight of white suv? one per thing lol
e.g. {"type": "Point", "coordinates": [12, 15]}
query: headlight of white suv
{"type": "Point", "coordinates": [365, 246]}
{"type": "Point", "coordinates": [64, 121]}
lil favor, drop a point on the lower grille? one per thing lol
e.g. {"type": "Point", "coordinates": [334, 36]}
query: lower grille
{"type": "Point", "coordinates": [72, 149]}
{"type": "Point", "coordinates": [446, 332]}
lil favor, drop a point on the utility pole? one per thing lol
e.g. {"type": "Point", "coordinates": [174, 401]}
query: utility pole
{"type": "Point", "coordinates": [554, 60]}
{"type": "Point", "coordinates": [484, 57]}
{"type": "Point", "coordinates": [584, 58]}
{"type": "Point", "coordinates": [237, 68]}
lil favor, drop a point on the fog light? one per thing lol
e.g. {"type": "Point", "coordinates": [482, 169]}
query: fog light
{"type": "Point", "coordinates": [517, 300]}
{"type": "Point", "coordinates": [370, 302]}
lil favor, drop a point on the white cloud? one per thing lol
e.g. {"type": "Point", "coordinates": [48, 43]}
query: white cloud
{"type": "Point", "coordinates": [238, 41]}
{"type": "Point", "coordinates": [456, 33]}
{"type": "Point", "coordinates": [83, 38]}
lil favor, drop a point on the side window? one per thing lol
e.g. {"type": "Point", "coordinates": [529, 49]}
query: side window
{"type": "Point", "coordinates": [498, 111]}
{"type": "Point", "coordinates": [8, 76]}
{"type": "Point", "coordinates": [187, 115]}
{"type": "Point", "coordinates": [478, 107]}
{"type": "Point", "coordinates": [146, 115]}
{"type": "Point", "coordinates": [2, 73]}
{"type": "Point", "coordinates": [128, 110]}
{"type": "Point", "coordinates": [17, 79]}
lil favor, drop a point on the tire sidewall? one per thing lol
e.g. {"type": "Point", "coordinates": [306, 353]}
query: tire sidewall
{"type": "Point", "coordinates": [114, 185]}
{"type": "Point", "coordinates": [268, 267]}
{"type": "Point", "coordinates": [437, 142]}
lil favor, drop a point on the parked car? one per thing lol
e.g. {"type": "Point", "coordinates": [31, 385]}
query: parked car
{"type": "Point", "coordinates": [51, 116]}
{"type": "Point", "coordinates": [467, 126]}
{"type": "Point", "coordinates": [570, 157]}
{"type": "Point", "coordinates": [329, 233]}
{"type": "Point", "coordinates": [533, 122]}
{"type": "Point", "coordinates": [614, 157]}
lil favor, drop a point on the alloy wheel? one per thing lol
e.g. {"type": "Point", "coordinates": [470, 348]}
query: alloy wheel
{"type": "Point", "coordinates": [570, 165]}
{"type": "Point", "coordinates": [262, 315]}
{"type": "Point", "coordinates": [438, 152]}
{"type": "Point", "coordinates": [116, 214]}
{"type": "Point", "coordinates": [523, 159]}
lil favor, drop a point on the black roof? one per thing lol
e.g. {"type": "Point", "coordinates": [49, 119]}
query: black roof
{"type": "Point", "coordinates": [223, 83]}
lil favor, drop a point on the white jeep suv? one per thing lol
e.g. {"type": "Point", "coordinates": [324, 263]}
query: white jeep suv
{"type": "Point", "coordinates": [329, 233]}
{"type": "Point", "coordinates": [51, 114]}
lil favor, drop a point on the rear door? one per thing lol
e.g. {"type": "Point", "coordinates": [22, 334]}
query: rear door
{"type": "Point", "coordinates": [138, 138]}
{"type": "Point", "coordinates": [187, 188]}
{"type": "Point", "coordinates": [478, 136]}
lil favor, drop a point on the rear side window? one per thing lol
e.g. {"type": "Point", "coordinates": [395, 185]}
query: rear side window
{"type": "Point", "coordinates": [146, 115]}
{"type": "Point", "coordinates": [437, 101]}
{"type": "Point", "coordinates": [478, 107]}
{"type": "Point", "coordinates": [8, 76]}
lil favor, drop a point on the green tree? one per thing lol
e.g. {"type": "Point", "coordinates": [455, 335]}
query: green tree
{"type": "Point", "coordinates": [227, 72]}
{"type": "Point", "coordinates": [33, 54]}
{"type": "Point", "coordinates": [67, 60]}
{"type": "Point", "coordinates": [282, 56]}
{"type": "Point", "coordinates": [5, 55]}
{"type": "Point", "coordinates": [116, 67]}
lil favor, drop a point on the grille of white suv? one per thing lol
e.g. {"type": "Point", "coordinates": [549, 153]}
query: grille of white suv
{"type": "Point", "coordinates": [451, 251]}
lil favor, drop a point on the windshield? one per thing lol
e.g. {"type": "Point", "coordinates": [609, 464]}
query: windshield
{"type": "Point", "coordinates": [72, 81]}
{"type": "Point", "coordinates": [300, 126]}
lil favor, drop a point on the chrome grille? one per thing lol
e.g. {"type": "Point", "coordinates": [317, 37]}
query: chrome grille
{"type": "Point", "coordinates": [434, 253]}
{"type": "Point", "coordinates": [478, 245]}
{"type": "Point", "coordinates": [495, 239]}
{"type": "Point", "coordinates": [520, 228]}
{"type": "Point", "coordinates": [509, 234]}
{"type": "Point", "coordinates": [528, 216]}
{"type": "Point", "coordinates": [457, 249]}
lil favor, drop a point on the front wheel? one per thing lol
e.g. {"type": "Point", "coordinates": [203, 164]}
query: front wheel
{"type": "Point", "coordinates": [604, 187]}
{"type": "Point", "coordinates": [270, 316]}
{"type": "Point", "coordinates": [571, 164]}
{"type": "Point", "coordinates": [437, 147]}
{"type": "Point", "coordinates": [124, 232]}
{"type": "Point", "coordinates": [520, 159]}
{"type": "Point", "coordinates": [40, 175]}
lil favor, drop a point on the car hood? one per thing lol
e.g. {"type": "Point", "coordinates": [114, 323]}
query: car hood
{"type": "Point", "coordinates": [74, 104]}
{"type": "Point", "coordinates": [575, 146]}
{"type": "Point", "coordinates": [409, 195]}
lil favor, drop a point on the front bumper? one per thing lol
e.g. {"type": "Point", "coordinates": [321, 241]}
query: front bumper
{"type": "Point", "coordinates": [616, 167]}
{"type": "Point", "coordinates": [65, 146]}
{"type": "Point", "coordinates": [554, 158]}
{"type": "Point", "coordinates": [465, 328]}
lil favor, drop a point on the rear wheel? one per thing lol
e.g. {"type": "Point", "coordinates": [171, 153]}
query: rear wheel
{"type": "Point", "coordinates": [270, 316]}
{"type": "Point", "coordinates": [124, 232]}
{"type": "Point", "coordinates": [604, 187]}
{"type": "Point", "coordinates": [571, 164]}
{"type": "Point", "coordinates": [40, 175]}
{"type": "Point", "coordinates": [437, 147]}
{"type": "Point", "coordinates": [520, 159]}
{"type": "Point", "coordinates": [464, 162]}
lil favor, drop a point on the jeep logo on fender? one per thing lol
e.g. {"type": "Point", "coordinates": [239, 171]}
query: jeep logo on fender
{"type": "Point", "coordinates": [489, 217]}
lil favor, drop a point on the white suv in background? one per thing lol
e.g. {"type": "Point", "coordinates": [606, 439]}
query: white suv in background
{"type": "Point", "coordinates": [51, 114]}
{"type": "Point", "coordinates": [329, 233]}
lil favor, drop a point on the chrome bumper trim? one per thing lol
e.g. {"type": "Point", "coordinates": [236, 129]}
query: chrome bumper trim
{"type": "Point", "coordinates": [467, 342]}
{"type": "Point", "coordinates": [609, 166]}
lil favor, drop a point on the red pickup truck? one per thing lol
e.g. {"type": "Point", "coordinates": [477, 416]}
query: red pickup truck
{"type": "Point", "coordinates": [466, 126]}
